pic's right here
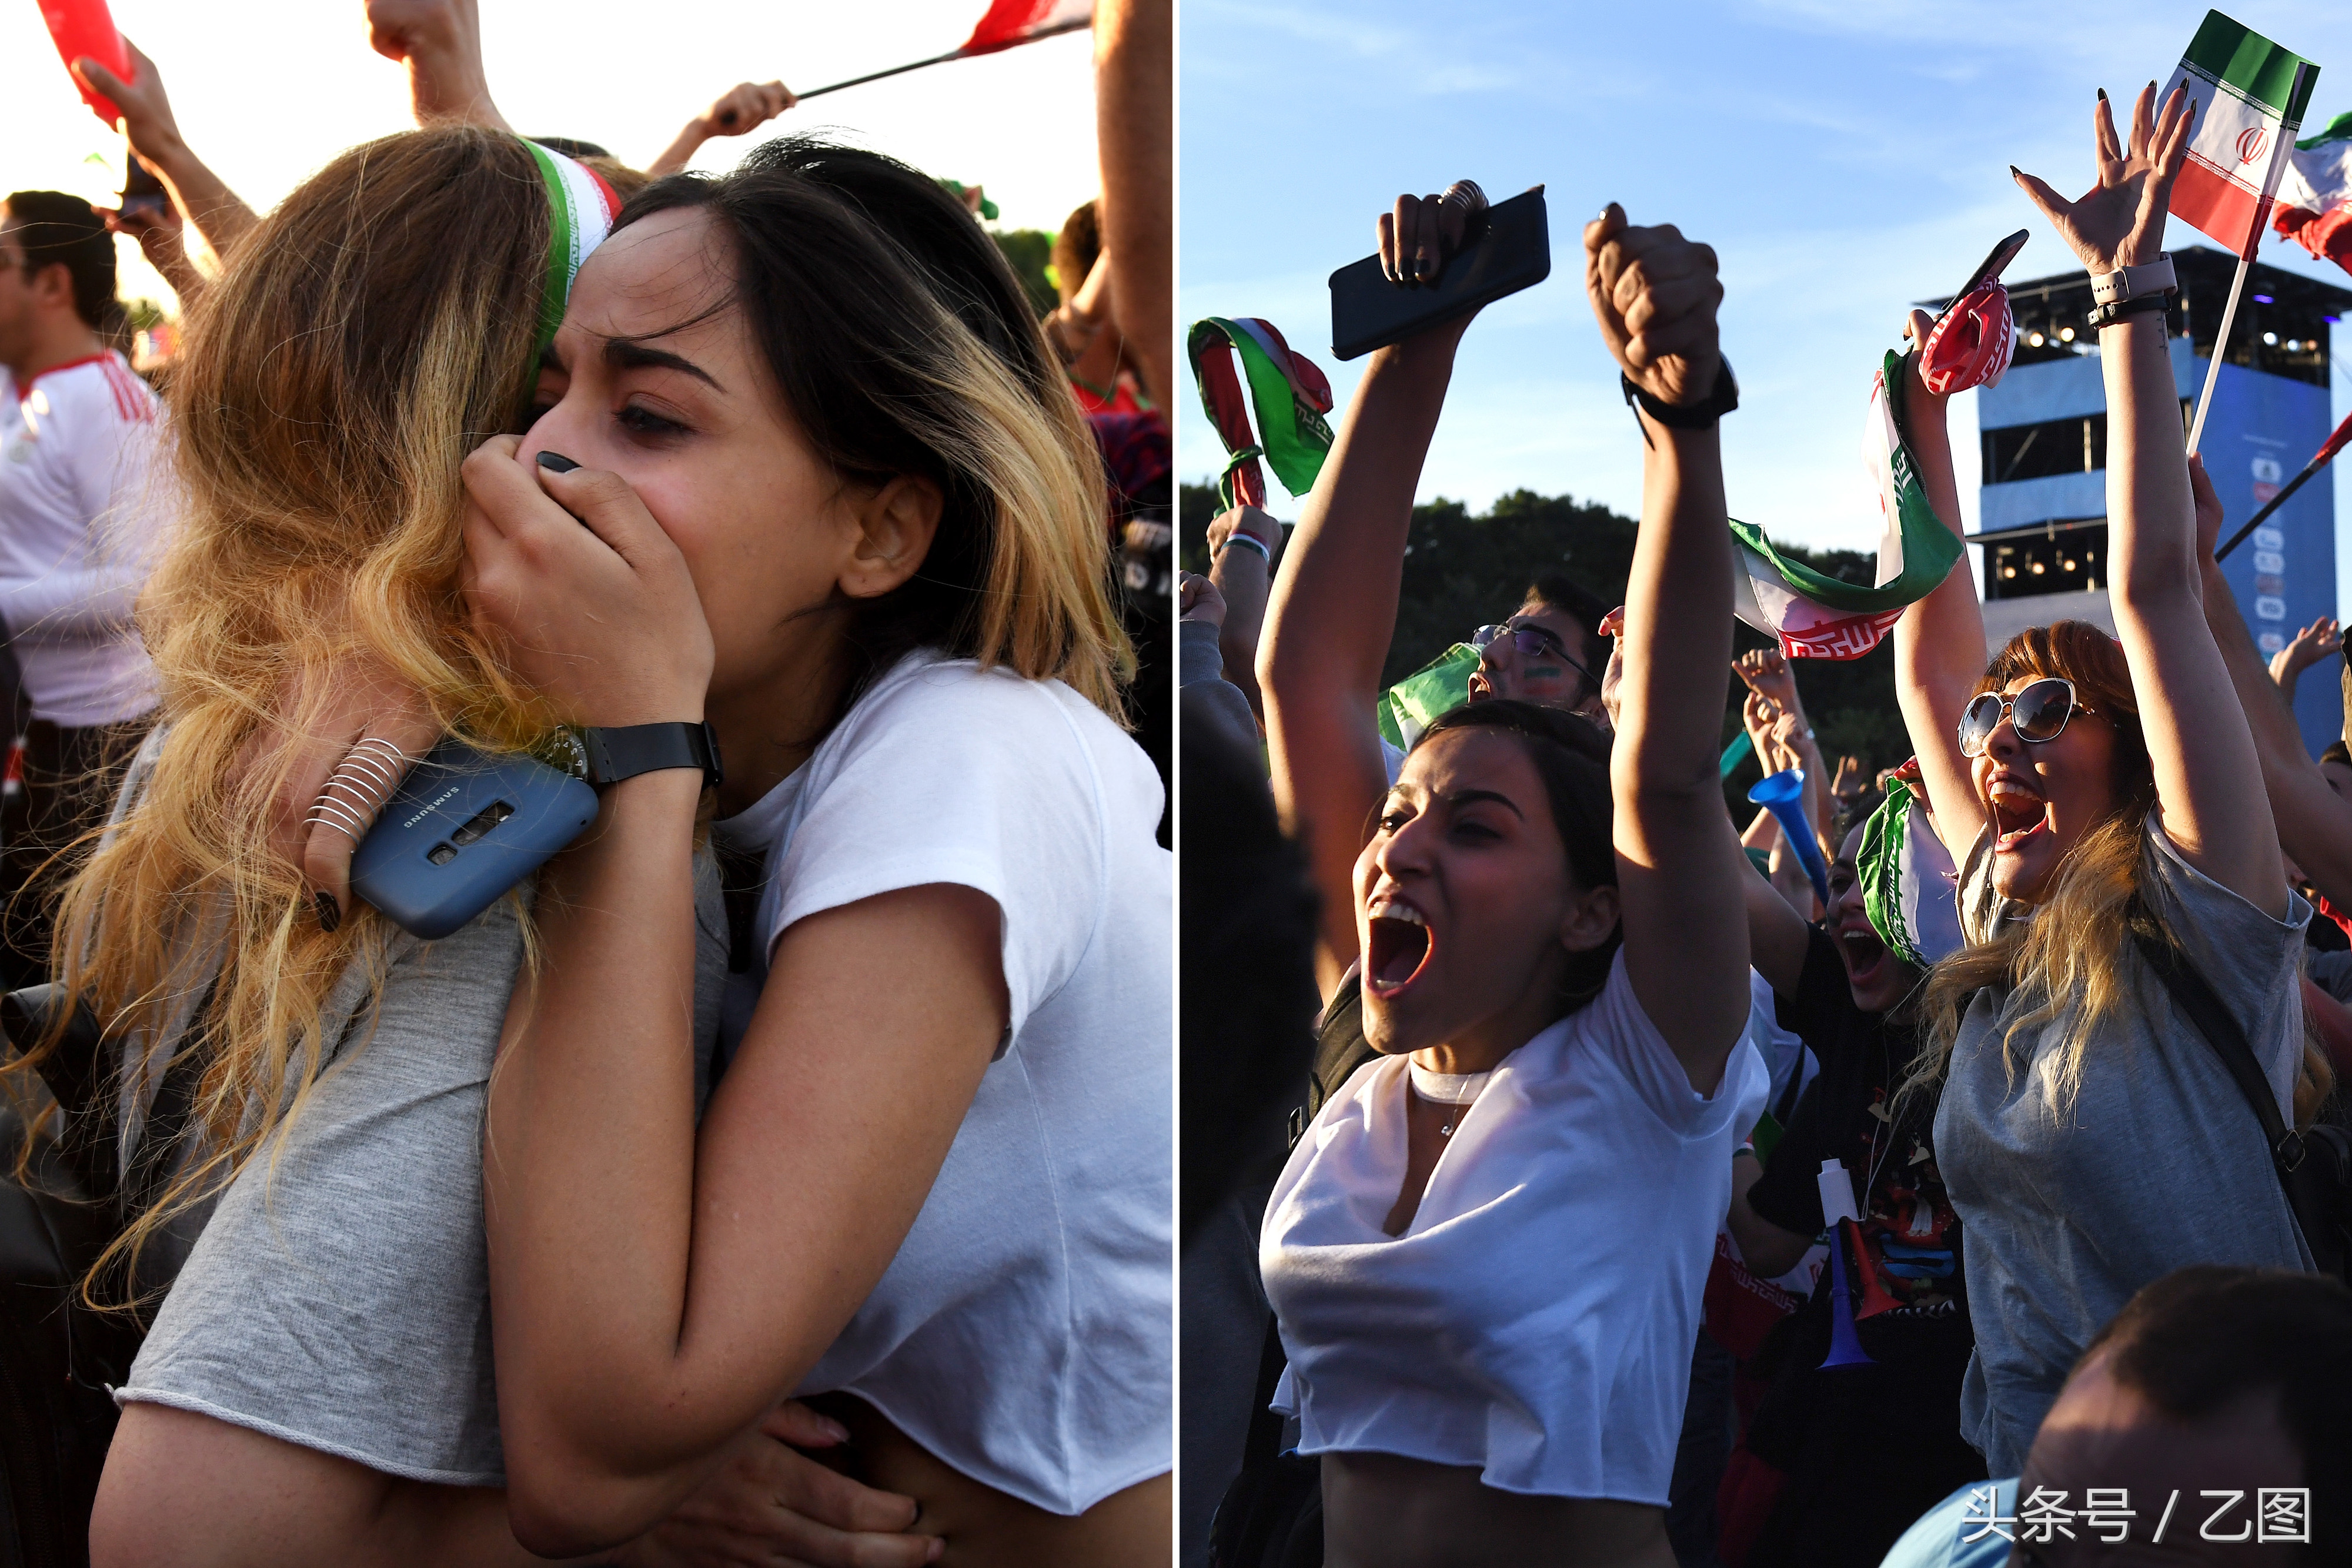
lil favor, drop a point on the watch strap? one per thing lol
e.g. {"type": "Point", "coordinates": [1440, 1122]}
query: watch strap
{"type": "Point", "coordinates": [2132, 282]}
{"type": "Point", "coordinates": [2139, 305]}
{"type": "Point", "coordinates": [612, 755]}
{"type": "Point", "coordinates": [1702, 415]}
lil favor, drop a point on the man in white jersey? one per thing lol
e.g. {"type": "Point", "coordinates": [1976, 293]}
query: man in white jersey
{"type": "Point", "coordinates": [77, 525]}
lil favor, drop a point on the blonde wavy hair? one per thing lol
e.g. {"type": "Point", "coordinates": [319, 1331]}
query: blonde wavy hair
{"type": "Point", "coordinates": [375, 330]}
{"type": "Point", "coordinates": [2068, 960]}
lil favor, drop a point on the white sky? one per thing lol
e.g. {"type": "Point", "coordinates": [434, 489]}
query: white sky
{"type": "Point", "coordinates": [269, 90]}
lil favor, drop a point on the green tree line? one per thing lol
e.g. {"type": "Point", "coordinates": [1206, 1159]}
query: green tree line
{"type": "Point", "coordinates": [1465, 568]}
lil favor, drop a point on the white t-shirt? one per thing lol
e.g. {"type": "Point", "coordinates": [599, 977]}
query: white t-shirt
{"type": "Point", "coordinates": [1537, 1317]}
{"type": "Point", "coordinates": [82, 511]}
{"type": "Point", "coordinates": [1024, 1333]}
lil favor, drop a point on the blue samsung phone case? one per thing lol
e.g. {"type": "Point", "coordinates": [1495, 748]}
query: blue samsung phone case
{"type": "Point", "coordinates": [462, 828]}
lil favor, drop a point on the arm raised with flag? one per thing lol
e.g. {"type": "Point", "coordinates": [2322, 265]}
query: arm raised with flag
{"type": "Point", "coordinates": [2209, 779]}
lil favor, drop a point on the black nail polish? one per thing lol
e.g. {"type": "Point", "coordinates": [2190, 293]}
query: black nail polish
{"type": "Point", "coordinates": [556, 463]}
{"type": "Point", "coordinates": [2103, 95]}
{"type": "Point", "coordinates": [331, 913]}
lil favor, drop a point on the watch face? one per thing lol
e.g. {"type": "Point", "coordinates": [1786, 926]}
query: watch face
{"type": "Point", "coordinates": [563, 751]}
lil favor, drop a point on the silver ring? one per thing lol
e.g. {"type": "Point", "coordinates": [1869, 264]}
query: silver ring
{"type": "Point", "coordinates": [1465, 195]}
{"type": "Point", "coordinates": [366, 777]}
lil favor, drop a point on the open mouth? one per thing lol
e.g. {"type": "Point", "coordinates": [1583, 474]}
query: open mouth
{"type": "Point", "coordinates": [2018, 813]}
{"type": "Point", "coordinates": [1864, 953]}
{"type": "Point", "coordinates": [1396, 948]}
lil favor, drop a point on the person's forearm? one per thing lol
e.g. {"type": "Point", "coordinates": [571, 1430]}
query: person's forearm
{"type": "Point", "coordinates": [90, 602]}
{"type": "Point", "coordinates": [1676, 649]}
{"type": "Point", "coordinates": [2150, 540]}
{"type": "Point", "coordinates": [217, 214]}
{"type": "Point", "coordinates": [1245, 578]}
{"type": "Point", "coordinates": [681, 150]}
{"type": "Point", "coordinates": [1939, 641]}
{"type": "Point", "coordinates": [1333, 607]}
{"type": "Point", "coordinates": [1677, 866]}
{"type": "Point", "coordinates": [602, 1038]}
{"type": "Point", "coordinates": [2269, 717]}
{"type": "Point", "coordinates": [1767, 1250]}
{"type": "Point", "coordinates": [2315, 825]}
{"type": "Point", "coordinates": [1135, 130]}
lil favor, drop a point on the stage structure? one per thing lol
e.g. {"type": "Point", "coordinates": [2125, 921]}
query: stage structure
{"type": "Point", "coordinates": [2044, 435]}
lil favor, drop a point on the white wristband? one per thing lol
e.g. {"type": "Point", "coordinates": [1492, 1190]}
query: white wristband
{"type": "Point", "coordinates": [1249, 541]}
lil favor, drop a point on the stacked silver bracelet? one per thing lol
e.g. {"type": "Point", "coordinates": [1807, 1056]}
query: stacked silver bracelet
{"type": "Point", "coordinates": [365, 777]}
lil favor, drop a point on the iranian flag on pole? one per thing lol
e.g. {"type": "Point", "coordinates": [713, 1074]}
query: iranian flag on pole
{"type": "Point", "coordinates": [2314, 197]}
{"type": "Point", "coordinates": [2248, 97]}
{"type": "Point", "coordinates": [1010, 22]}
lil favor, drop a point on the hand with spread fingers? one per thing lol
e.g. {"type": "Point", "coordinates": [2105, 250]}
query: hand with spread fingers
{"type": "Point", "coordinates": [1852, 781]}
{"type": "Point", "coordinates": [1655, 294]}
{"type": "Point", "coordinates": [1766, 671]}
{"type": "Point", "coordinates": [2320, 640]}
{"type": "Point", "coordinates": [2119, 221]}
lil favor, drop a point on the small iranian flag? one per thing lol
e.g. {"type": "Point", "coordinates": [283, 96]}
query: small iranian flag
{"type": "Point", "coordinates": [2248, 94]}
{"type": "Point", "coordinates": [2314, 196]}
{"type": "Point", "coordinates": [1814, 615]}
{"type": "Point", "coordinates": [1010, 22]}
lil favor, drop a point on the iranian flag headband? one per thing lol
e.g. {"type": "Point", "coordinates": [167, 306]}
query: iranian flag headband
{"type": "Point", "coordinates": [580, 208]}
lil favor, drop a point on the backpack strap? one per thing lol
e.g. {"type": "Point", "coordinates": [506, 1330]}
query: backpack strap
{"type": "Point", "coordinates": [1264, 1440]}
{"type": "Point", "coordinates": [2221, 1031]}
{"type": "Point", "coordinates": [1339, 1049]}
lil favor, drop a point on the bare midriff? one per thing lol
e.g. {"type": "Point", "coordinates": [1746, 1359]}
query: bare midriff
{"type": "Point", "coordinates": [985, 1528]}
{"type": "Point", "coordinates": [1380, 1510]}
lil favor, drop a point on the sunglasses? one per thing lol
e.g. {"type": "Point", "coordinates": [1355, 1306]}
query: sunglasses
{"type": "Point", "coordinates": [1532, 642]}
{"type": "Point", "coordinates": [2039, 714]}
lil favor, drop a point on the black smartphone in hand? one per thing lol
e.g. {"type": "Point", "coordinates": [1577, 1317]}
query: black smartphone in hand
{"type": "Point", "coordinates": [142, 191]}
{"type": "Point", "coordinates": [1369, 312]}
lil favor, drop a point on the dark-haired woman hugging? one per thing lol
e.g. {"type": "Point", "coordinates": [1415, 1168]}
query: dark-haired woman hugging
{"type": "Point", "coordinates": [838, 504]}
{"type": "Point", "coordinates": [1486, 1253]}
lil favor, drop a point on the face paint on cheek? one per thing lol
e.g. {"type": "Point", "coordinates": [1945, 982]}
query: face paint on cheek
{"type": "Point", "coordinates": [1545, 672]}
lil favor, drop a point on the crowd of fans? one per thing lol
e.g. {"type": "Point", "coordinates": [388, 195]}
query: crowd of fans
{"type": "Point", "coordinates": [476, 440]}
{"type": "Point", "coordinates": [1644, 1201]}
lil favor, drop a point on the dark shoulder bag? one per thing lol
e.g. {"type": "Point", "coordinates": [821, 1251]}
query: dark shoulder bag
{"type": "Point", "coordinates": [1272, 1514]}
{"type": "Point", "coordinates": [1339, 1049]}
{"type": "Point", "coordinates": [58, 1359]}
{"type": "Point", "coordinates": [2315, 1168]}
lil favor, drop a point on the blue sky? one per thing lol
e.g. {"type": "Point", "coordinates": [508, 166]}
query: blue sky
{"type": "Point", "coordinates": [1843, 159]}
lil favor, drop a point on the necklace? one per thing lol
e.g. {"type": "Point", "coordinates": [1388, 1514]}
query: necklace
{"type": "Point", "coordinates": [1458, 1092]}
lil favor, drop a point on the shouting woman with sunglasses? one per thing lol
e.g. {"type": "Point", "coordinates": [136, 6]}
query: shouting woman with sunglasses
{"type": "Point", "coordinates": [2093, 791]}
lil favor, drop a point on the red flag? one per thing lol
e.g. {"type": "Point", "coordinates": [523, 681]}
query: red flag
{"type": "Point", "coordinates": [1010, 22]}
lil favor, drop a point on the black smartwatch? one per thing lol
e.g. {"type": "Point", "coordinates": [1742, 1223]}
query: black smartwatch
{"type": "Point", "coordinates": [1721, 401]}
{"type": "Point", "coordinates": [606, 756]}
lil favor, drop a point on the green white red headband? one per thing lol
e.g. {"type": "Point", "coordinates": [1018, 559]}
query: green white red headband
{"type": "Point", "coordinates": [580, 208]}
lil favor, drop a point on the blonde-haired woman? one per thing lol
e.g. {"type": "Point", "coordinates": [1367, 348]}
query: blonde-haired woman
{"type": "Point", "coordinates": [316, 1383]}
{"type": "Point", "coordinates": [838, 505]}
{"type": "Point", "coordinates": [2089, 1136]}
